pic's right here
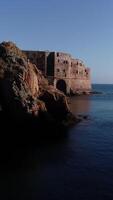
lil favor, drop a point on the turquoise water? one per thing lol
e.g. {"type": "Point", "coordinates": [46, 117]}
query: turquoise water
{"type": "Point", "coordinates": [78, 167]}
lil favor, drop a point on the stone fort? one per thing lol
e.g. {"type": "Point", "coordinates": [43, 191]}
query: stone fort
{"type": "Point", "coordinates": [68, 74]}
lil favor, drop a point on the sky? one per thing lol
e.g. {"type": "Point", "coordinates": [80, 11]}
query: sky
{"type": "Point", "coordinates": [83, 28]}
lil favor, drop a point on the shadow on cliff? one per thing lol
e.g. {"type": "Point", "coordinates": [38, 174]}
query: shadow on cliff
{"type": "Point", "coordinates": [19, 140]}
{"type": "Point", "coordinates": [30, 130]}
{"type": "Point", "coordinates": [19, 157]}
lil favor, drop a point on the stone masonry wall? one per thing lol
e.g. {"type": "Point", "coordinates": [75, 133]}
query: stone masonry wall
{"type": "Point", "coordinates": [38, 58]}
{"type": "Point", "coordinates": [62, 70]}
{"type": "Point", "coordinates": [80, 77]}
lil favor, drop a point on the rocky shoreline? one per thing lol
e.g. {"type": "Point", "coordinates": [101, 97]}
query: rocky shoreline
{"type": "Point", "coordinates": [26, 97]}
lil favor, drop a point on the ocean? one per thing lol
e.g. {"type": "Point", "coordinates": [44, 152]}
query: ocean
{"type": "Point", "coordinates": [77, 167]}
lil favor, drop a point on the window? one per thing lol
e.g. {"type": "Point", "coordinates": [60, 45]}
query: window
{"type": "Point", "coordinates": [65, 62]}
{"type": "Point", "coordinates": [58, 70]}
{"type": "Point", "coordinates": [57, 54]}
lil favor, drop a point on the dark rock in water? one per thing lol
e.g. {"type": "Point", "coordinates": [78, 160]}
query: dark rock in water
{"type": "Point", "coordinates": [25, 93]}
{"type": "Point", "coordinates": [83, 116]}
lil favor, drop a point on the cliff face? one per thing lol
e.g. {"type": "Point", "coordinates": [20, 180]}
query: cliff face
{"type": "Point", "coordinates": [24, 92]}
{"type": "Point", "coordinates": [19, 80]}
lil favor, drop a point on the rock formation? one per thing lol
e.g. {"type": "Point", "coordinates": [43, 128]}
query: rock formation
{"type": "Point", "coordinates": [26, 94]}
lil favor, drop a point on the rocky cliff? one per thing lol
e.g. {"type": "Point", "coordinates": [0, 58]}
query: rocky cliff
{"type": "Point", "coordinates": [25, 93]}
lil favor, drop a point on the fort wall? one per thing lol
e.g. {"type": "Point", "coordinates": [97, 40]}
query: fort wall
{"type": "Point", "coordinates": [64, 72]}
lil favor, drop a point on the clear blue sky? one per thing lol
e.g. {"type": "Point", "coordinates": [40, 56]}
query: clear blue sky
{"type": "Point", "coordinates": [83, 28]}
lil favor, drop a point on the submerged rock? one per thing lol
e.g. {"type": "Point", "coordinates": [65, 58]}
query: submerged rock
{"type": "Point", "coordinates": [26, 94]}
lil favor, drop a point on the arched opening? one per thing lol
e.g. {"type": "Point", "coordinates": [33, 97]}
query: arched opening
{"type": "Point", "coordinates": [61, 85]}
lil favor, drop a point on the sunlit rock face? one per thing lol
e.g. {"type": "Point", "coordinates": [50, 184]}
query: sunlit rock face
{"type": "Point", "coordinates": [25, 92]}
{"type": "Point", "coordinates": [19, 80]}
